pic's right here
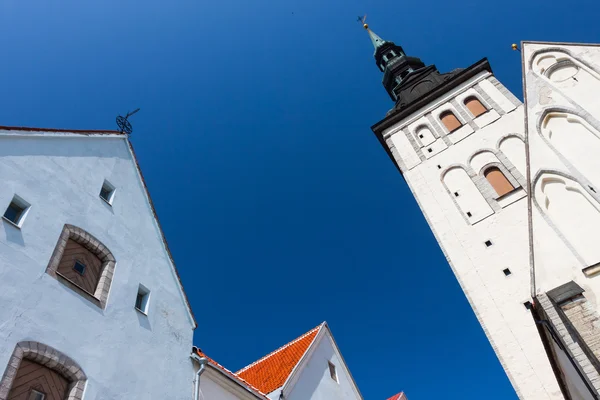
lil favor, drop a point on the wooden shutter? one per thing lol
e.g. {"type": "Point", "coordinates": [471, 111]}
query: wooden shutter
{"type": "Point", "coordinates": [475, 106]}
{"type": "Point", "coordinates": [498, 181]}
{"type": "Point", "coordinates": [450, 121]}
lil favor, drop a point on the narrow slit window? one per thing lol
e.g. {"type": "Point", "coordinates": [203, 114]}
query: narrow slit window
{"type": "Point", "coordinates": [450, 121]}
{"type": "Point", "coordinates": [16, 211]}
{"type": "Point", "coordinates": [332, 371]}
{"type": "Point", "coordinates": [142, 299]}
{"type": "Point", "coordinates": [475, 106]}
{"type": "Point", "coordinates": [107, 192]}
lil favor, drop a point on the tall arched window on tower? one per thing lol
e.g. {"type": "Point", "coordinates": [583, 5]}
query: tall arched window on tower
{"type": "Point", "coordinates": [450, 121]}
{"type": "Point", "coordinates": [498, 181]}
{"type": "Point", "coordinates": [475, 106]}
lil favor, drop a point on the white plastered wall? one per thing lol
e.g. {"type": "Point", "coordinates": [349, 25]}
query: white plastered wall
{"type": "Point", "coordinates": [496, 299]}
{"type": "Point", "coordinates": [125, 354]}
{"type": "Point", "coordinates": [314, 381]}
{"type": "Point", "coordinates": [562, 122]}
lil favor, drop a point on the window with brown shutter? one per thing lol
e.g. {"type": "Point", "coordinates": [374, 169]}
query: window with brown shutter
{"type": "Point", "coordinates": [475, 106]}
{"type": "Point", "coordinates": [450, 121]}
{"type": "Point", "coordinates": [498, 181]}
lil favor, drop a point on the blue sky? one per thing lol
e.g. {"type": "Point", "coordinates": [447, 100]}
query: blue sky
{"type": "Point", "coordinates": [279, 204]}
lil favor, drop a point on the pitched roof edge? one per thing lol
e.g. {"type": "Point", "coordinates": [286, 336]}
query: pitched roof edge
{"type": "Point", "coordinates": [162, 234]}
{"type": "Point", "coordinates": [231, 375]}
{"type": "Point", "coordinates": [280, 349]}
{"type": "Point", "coordinates": [336, 349]}
{"type": "Point", "coordinates": [55, 130]}
{"type": "Point", "coordinates": [304, 356]}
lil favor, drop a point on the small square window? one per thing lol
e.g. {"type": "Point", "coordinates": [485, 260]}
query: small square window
{"type": "Point", "coordinates": [469, 214]}
{"type": "Point", "coordinates": [527, 305]}
{"type": "Point", "coordinates": [36, 395]}
{"type": "Point", "coordinates": [79, 267]}
{"type": "Point", "coordinates": [107, 192]}
{"type": "Point", "coordinates": [455, 194]}
{"type": "Point", "coordinates": [16, 211]}
{"type": "Point", "coordinates": [507, 272]}
{"type": "Point", "coordinates": [332, 371]}
{"type": "Point", "coordinates": [142, 299]}
{"type": "Point", "coordinates": [430, 150]}
{"type": "Point", "coordinates": [488, 243]}
{"type": "Point", "coordinates": [421, 136]}
{"type": "Point", "coordinates": [439, 166]}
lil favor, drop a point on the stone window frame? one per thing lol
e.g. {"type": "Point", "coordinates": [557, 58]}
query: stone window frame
{"type": "Point", "coordinates": [444, 108]}
{"type": "Point", "coordinates": [577, 113]}
{"type": "Point", "coordinates": [568, 56]}
{"type": "Point", "coordinates": [100, 295]}
{"type": "Point", "coordinates": [480, 184]}
{"type": "Point", "coordinates": [588, 270]}
{"type": "Point", "coordinates": [509, 177]}
{"type": "Point", "coordinates": [50, 358]}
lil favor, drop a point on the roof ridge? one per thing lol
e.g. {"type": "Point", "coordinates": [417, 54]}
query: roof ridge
{"type": "Point", "coordinates": [282, 348]}
{"type": "Point", "coordinates": [30, 129]}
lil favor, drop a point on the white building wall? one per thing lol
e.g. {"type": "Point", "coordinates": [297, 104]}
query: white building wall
{"type": "Point", "coordinates": [566, 147]}
{"type": "Point", "coordinates": [563, 130]}
{"type": "Point", "coordinates": [315, 382]}
{"type": "Point", "coordinates": [124, 354]}
{"type": "Point", "coordinates": [216, 385]}
{"type": "Point", "coordinates": [497, 300]}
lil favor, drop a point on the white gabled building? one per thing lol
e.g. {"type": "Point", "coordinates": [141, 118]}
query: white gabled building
{"type": "Point", "coordinates": [91, 304]}
{"type": "Point", "coordinates": [309, 367]}
{"type": "Point", "coordinates": [518, 229]}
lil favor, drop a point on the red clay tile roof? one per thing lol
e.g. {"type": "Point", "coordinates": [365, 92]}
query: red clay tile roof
{"type": "Point", "coordinates": [399, 396]}
{"type": "Point", "coordinates": [271, 371]}
{"type": "Point", "coordinates": [233, 376]}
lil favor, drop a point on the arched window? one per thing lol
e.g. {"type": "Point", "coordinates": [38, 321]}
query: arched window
{"type": "Point", "coordinates": [498, 181]}
{"type": "Point", "coordinates": [83, 263]}
{"type": "Point", "coordinates": [450, 121]}
{"type": "Point", "coordinates": [575, 213]}
{"type": "Point", "coordinates": [475, 106]}
{"type": "Point", "coordinates": [40, 372]}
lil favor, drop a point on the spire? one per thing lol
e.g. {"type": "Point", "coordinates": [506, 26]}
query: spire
{"type": "Point", "coordinates": [375, 39]}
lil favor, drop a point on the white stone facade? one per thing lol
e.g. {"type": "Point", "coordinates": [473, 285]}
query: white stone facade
{"type": "Point", "coordinates": [481, 234]}
{"type": "Point", "coordinates": [563, 132]}
{"type": "Point", "coordinates": [110, 349]}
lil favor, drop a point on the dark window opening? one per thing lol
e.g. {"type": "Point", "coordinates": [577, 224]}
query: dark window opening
{"type": "Point", "coordinates": [36, 395]}
{"type": "Point", "coordinates": [527, 305]}
{"type": "Point", "coordinates": [439, 167]}
{"type": "Point", "coordinates": [14, 212]}
{"type": "Point", "coordinates": [592, 189]}
{"type": "Point", "coordinates": [430, 150]}
{"type": "Point", "coordinates": [488, 243]}
{"type": "Point", "coordinates": [469, 214]}
{"type": "Point", "coordinates": [332, 372]}
{"type": "Point", "coordinates": [507, 272]}
{"type": "Point", "coordinates": [79, 267]}
{"type": "Point", "coordinates": [456, 194]}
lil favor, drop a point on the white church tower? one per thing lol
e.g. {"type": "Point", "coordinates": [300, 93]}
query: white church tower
{"type": "Point", "coordinates": [459, 141]}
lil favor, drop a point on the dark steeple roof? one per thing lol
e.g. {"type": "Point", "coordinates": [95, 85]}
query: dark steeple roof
{"type": "Point", "coordinates": [405, 78]}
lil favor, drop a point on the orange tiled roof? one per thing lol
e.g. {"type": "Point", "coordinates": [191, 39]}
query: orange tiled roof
{"type": "Point", "coordinates": [232, 375]}
{"type": "Point", "coordinates": [271, 371]}
{"type": "Point", "coordinates": [399, 396]}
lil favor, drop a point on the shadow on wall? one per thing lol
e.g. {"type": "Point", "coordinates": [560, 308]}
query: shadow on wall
{"type": "Point", "coordinates": [12, 233]}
